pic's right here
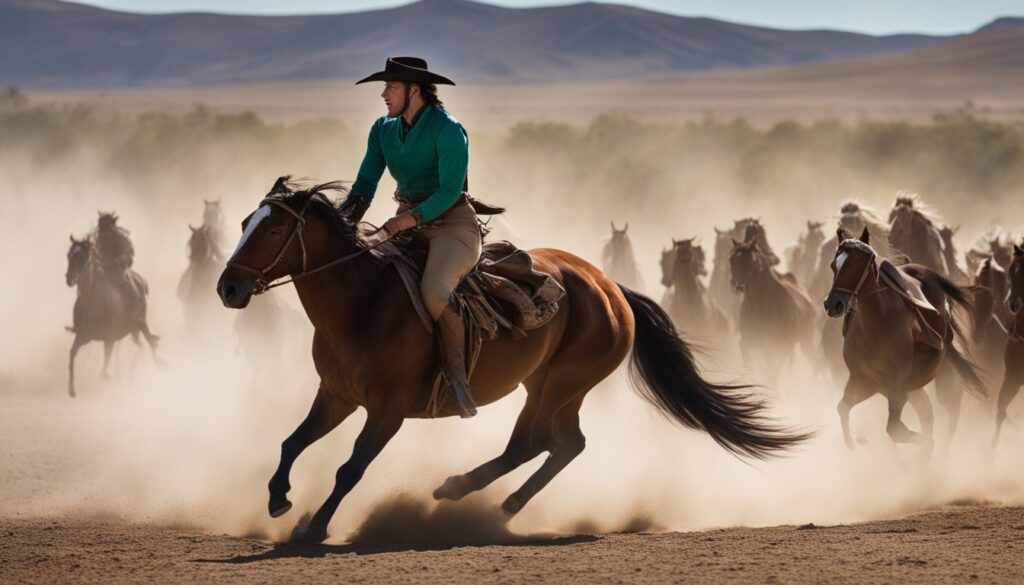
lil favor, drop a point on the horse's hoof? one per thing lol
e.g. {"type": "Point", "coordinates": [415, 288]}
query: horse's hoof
{"type": "Point", "coordinates": [512, 506]}
{"type": "Point", "coordinates": [306, 533]}
{"type": "Point", "coordinates": [454, 488]}
{"type": "Point", "coordinates": [278, 508]}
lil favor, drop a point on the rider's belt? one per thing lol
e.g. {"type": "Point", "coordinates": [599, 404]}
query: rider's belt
{"type": "Point", "coordinates": [407, 202]}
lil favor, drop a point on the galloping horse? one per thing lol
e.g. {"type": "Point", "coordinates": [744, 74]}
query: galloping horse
{"type": "Point", "coordinates": [371, 351]}
{"type": "Point", "coordinates": [914, 231]}
{"type": "Point", "coordinates": [200, 277]}
{"type": "Point", "coordinates": [894, 341]}
{"type": "Point", "coordinates": [956, 273]}
{"type": "Point", "coordinates": [1013, 358]}
{"type": "Point", "coordinates": [721, 277]}
{"type": "Point", "coordinates": [688, 302]}
{"type": "Point", "coordinates": [991, 316]}
{"type": "Point", "coordinates": [618, 260]}
{"type": "Point", "coordinates": [101, 312]}
{"type": "Point", "coordinates": [802, 256]}
{"type": "Point", "coordinates": [776, 314]}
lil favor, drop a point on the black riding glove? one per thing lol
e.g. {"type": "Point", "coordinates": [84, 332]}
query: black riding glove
{"type": "Point", "coordinates": [354, 207]}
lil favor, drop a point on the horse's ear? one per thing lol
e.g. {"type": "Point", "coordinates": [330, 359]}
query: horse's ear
{"type": "Point", "coordinates": [626, 229]}
{"type": "Point", "coordinates": [675, 242]}
{"type": "Point", "coordinates": [865, 236]}
{"type": "Point", "coordinates": [840, 233]}
{"type": "Point", "coordinates": [73, 240]}
{"type": "Point", "coordinates": [613, 225]}
{"type": "Point", "coordinates": [281, 184]}
{"type": "Point", "coordinates": [192, 228]}
{"type": "Point", "coordinates": [719, 232]}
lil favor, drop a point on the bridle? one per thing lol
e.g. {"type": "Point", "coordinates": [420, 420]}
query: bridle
{"type": "Point", "coordinates": [261, 284]}
{"type": "Point", "coordinates": [869, 267]}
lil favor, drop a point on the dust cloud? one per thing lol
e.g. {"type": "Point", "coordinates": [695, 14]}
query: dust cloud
{"type": "Point", "coordinates": [193, 443]}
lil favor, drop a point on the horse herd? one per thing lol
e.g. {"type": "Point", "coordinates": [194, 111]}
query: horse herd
{"type": "Point", "coordinates": [894, 297]}
{"type": "Point", "coordinates": [894, 293]}
{"type": "Point", "coordinates": [103, 314]}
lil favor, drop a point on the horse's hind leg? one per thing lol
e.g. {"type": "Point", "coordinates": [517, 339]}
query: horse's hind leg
{"type": "Point", "coordinates": [326, 413]}
{"type": "Point", "coordinates": [923, 406]}
{"type": "Point", "coordinates": [566, 443]}
{"type": "Point", "coordinates": [75, 346]}
{"type": "Point", "coordinates": [519, 450]}
{"type": "Point", "coordinates": [949, 392]}
{"type": "Point", "coordinates": [1007, 393]}
{"type": "Point", "coordinates": [895, 427]}
{"type": "Point", "coordinates": [856, 392]}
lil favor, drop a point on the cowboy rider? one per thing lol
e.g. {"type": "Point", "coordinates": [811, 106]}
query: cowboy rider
{"type": "Point", "coordinates": [426, 151]}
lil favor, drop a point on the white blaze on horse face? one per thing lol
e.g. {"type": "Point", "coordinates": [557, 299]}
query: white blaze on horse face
{"type": "Point", "coordinates": [840, 260]}
{"type": "Point", "coordinates": [261, 214]}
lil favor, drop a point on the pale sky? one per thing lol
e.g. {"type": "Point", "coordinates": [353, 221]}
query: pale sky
{"type": "Point", "coordinates": [870, 16]}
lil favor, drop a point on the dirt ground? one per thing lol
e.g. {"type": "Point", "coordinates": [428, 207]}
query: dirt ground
{"type": "Point", "coordinates": [973, 544]}
{"type": "Point", "coordinates": [44, 454]}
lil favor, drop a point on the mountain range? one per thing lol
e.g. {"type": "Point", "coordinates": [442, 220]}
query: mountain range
{"type": "Point", "coordinates": [54, 44]}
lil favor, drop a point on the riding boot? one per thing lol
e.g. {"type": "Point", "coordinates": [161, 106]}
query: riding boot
{"type": "Point", "coordinates": [453, 353]}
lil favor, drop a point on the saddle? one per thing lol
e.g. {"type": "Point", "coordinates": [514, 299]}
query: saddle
{"type": "Point", "coordinates": [502, 292]}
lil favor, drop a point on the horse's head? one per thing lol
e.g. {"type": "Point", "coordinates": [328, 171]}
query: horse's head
{"type": "Point", "coordinates": [78, 259]}
{"type": "Point", "coordinates": [1015, 274]}
{"type": "Point", "coordinates": [853, 264]}
{"type": "Point", "coordinates": [908, 222]}
{"type": "Point", "coordinates": [723, 244]}
{"type": "Point", "coordinates": [276, 238]}
{"type": "Point", "coordinates": [212, 212]}
{"type": "Point", "coordinates": [107, 221]}
{"type": "Point", "coordinates": [200, 243]}
{"type": "Point", "coordinates": [745, 260]}
{"type": "Point", "coordinates": [815, 236]}
{"type": "Point", "coordinates": [668, 264]}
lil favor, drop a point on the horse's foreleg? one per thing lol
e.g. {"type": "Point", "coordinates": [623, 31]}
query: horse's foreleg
{"type": "Point", "coordinates": [1007, 393]}
{"type": "Point", "coordinates": [75, 346]}
{"type": "Point", "coordinates": [856, 392]}
{"type": "Point", "coordinates": [519, 450]}
{"type": "Point", "coordinates": [894, 426]}
{"type": "Point", "coordinates": [325, 414]}
{"type": "Point", "coordinates": [108, 348]}
{"type": "Point", "coordinates": [566, 443]}
{"type": "Point", "coordinates": [381, 425]}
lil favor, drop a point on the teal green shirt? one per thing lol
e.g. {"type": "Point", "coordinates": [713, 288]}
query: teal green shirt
{"type": "Point", "coordinates": [429, 161]}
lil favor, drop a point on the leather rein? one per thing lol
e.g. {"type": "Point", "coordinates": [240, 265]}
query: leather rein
{"type": "Point", "coordinates": [262, 285]}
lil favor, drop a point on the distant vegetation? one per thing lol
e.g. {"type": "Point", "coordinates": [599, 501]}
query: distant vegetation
{"type": "Point", "coordinates": [613, 162]}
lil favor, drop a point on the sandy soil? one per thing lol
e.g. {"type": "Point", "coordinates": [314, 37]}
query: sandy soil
{"type": "Point", "coordinates": [964, 545]}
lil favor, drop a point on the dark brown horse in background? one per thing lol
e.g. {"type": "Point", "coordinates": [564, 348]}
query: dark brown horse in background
{"type": "Point", "coordinates": [618, 260]}
{"type": "Point", "coordinates": [101, 313]}
{"type": "Point", "coordinates": [892, 346]}
{"type": "Point", "coordinates": [370, 350]}
{"type": "Point", "coordinates": [914, 230]}
{"type": "Point", "coordinates": [720, 285]}
{"type": "Point", "coordinates": [1013, 360]}
{"type": "Point", "coordinates": [205, 259]}
{"type": "Point", "coordinates": [692, 308]}
{"type": "Point", "coordinates": [776, 315]}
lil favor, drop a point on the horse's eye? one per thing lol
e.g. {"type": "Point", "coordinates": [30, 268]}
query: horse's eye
{"type": "Point", "coordinates": [276, 232]}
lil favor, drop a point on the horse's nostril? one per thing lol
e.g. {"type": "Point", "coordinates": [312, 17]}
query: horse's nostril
{"type": "Point", "coordinates": [228, 292]}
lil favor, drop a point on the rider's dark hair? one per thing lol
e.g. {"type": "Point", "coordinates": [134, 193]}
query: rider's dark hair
{"type": "Point", "coordinates": [429, 93]}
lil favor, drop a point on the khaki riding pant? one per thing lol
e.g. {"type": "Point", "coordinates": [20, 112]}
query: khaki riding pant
{"type": "Point", "coordinates": [454, 248]}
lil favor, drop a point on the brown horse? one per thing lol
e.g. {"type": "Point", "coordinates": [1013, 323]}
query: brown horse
{"type": "Point", "coordinates": [691, 306]}
{"type": "Point", "coordinates": [370, 350]}
{"type": "Point", "coordinates": [1013, 357]}
{"type": "Point", "coordinates": [776, 315]}
{"type": "Point", "coordinates": [892, 345]}
{"type": "Point", "coordinates": [101, 313]}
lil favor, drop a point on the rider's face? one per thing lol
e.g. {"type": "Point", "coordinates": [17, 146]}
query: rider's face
{"type": "Point", "coordinates": [394, 97]}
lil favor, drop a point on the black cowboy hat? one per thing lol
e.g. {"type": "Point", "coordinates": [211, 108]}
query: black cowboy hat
{"type": "Point", "coordinates": [411, 69]}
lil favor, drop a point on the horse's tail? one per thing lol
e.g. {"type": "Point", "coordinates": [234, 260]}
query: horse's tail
{"type": "Point", "coordinates": [967, 369]}
{"type": "Point", "coordinates": [663, 372]}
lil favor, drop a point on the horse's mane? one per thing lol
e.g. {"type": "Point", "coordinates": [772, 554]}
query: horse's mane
{"type": "Point", "coordinates": [877, 227]}
{"type": "Point", "coordinates": [913, 202]}
{"type": "Point", "coordinates": [316, 201]}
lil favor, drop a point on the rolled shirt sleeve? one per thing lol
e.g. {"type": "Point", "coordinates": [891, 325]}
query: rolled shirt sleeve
{"type": "Point", "coordinates": [453, 164]}
{"type": "Point", "coordinates": [373, 165]}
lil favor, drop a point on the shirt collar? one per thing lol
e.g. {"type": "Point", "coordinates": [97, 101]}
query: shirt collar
{"type": "Point", "coordinates": [416, 118]}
